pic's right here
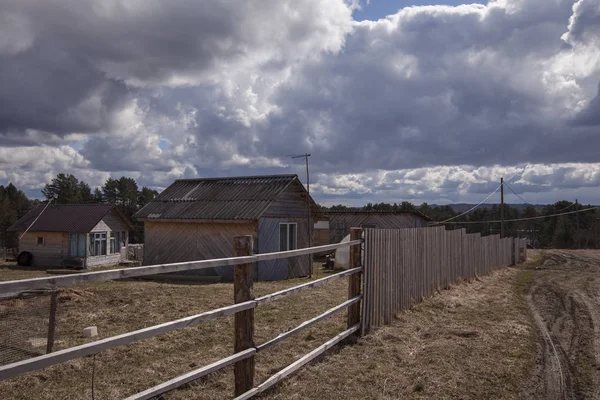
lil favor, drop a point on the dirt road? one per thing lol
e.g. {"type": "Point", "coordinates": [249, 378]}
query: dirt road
{"type": "Point", "coordinates": [564, 299]}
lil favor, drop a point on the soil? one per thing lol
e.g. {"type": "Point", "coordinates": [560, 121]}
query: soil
{"type": "Point", "coordinates": [564, 300]}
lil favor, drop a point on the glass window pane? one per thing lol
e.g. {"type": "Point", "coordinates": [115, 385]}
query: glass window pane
{"type": "Point", "coordinates": [283, 237]}
{"type": "Point", "coordinates": [112, 243]}
{"type": "Point", "coordinates": [73, 244]}
{"type": "Point", "coordinates": [81, 245]}
{"type": "Point", "coordinates": [292, 230]}
{"type": "Point", "coordinates": [91, 245]}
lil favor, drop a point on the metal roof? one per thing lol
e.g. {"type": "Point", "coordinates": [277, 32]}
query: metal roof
{"type": "Point", "coordinates": [238, 198]}
{"type": "Point", "coordinates": [363, 211]}
{"type": "Point", "coordinates": [72, 218]}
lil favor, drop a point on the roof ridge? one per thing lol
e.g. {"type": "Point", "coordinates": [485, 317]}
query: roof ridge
{"type": "Point", "coordinates": [238, 177]}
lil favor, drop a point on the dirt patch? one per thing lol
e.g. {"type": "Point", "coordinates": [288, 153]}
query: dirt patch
{"type": "Point", "coordinates": [565, 305]}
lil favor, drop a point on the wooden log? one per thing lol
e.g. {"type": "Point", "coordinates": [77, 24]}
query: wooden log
{"type": "Point", "coordinates": [295, 366]}
{"type": "Point", "coordinates": [354, 280]}
{"type": "Point", "coordinates": [305, 286]}
{"type": "Point", "coordinates": [191, 376]}
{"type": "Point", "coordinates": [310, 322]}
{"type": "Point", "coordinates": [123, 273]}
{"type": "Point", "coordinates": [46, 360]}
{"type": "Point", "coordinates": [244, 321]}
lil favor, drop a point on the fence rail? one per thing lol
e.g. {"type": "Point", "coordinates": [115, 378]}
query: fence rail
{"type": "Point", "coordinates": [124, 273]}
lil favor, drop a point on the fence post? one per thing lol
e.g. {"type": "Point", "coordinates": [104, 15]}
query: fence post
{"type": "Point", "coordinates": [244, 320]}
{"type": "Point", "coordinates": [354, 279]}
{"type": "Point", "coordinates": [51, 322]}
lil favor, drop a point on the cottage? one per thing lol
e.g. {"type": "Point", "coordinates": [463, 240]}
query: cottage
{"type": "Point", "coordinates": [196, 219]}
{"type": "Point", "coordinates": [341, 221]}
{"type": "Point", "coordinates": [83, 235]}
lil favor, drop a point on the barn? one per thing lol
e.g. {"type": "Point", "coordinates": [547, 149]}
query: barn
{"type": "Point", "coordinates": [82, 235]}
{"type": "Point", "coordinates": [196, 219]}
{"type": "Point", "coordinates": [341, 221]}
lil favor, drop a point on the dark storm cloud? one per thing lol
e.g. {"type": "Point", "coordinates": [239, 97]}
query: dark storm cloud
{"type": "Point", "coordinates": [430, 103]}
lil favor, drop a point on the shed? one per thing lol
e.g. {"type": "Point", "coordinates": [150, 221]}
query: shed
{"type": "Point", "coordinates": [196, 219]}
{"type": "Point", "coordinates": [341, 221]}
{"type": "Point", "coordinates": [87, 235]}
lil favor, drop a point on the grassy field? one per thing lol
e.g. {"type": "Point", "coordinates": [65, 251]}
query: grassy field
{"type": "Point", "coordinates": [473, 341]}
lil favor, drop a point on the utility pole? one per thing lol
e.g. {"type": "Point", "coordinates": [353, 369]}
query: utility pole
{"type": "Point", "coordinates": [306, 155]}
{"type": "Point", "coordinates": [577, 222]}
{"type": "Point", "coordinates": [501, 208]}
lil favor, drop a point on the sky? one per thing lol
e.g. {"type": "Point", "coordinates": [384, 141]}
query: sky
{"type": "Point", "coordinates": [394, 100]}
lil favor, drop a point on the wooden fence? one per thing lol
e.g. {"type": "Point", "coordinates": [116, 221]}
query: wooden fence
{"type": "Point", "coordinates": [405, 266]}
{"type": "Point", "coordinates": [400, 267]}
{"type": "Point", "coordinates": [243, 309]}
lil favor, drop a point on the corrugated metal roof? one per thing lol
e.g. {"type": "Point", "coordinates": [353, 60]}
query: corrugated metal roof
{"type": "Point", "coordinates": [236, 198]}
{"type": "Point", "coordinates": [363, 211]}
{"type": "Point", "coordinates": [74, 218]}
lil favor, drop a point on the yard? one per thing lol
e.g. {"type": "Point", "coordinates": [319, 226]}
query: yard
{"type": "Point", "coordinates": [473, 341]}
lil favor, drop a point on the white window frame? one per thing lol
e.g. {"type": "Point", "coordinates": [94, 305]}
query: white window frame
{"type": "Point", "coordinates": [287, 233]}
{"type": "Point", "coordinates": [99, 239]}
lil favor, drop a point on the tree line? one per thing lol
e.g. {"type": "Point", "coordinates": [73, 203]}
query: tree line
{"type": "Point", "coordinates": [571, 231]}
{"type": "Point", "coordinates": [581, 230]}
{"type": "Point", "coordinates": [124, 193]}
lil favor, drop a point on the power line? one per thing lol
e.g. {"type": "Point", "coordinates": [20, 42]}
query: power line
{"type": "Point", "coordinates": [39, 215]}
{"type": "Point", "coordinates": [522, 219]}
{"type": "Point", "coordinates": [515, 193]}
{"type": "Point", "coordinates": [567, 207]}
{"type": "Point", "coordinates": [469, 210]}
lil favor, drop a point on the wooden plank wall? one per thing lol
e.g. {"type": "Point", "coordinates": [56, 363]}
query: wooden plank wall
{"type": "Point", "coordinates": [405, 266]}
{"type": "Point", "coordinates": [51, 253]}
{"type": "Point", "coordinates": [169, 242]}
{"type": "Point", "coordinates": [340, 223]}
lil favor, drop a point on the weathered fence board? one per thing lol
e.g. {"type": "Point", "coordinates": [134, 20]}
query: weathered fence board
{"type": "Point", "coordinates": [405, 266]}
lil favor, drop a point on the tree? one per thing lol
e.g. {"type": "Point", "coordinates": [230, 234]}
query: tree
{"type": "Point", "coordinates": [145, 196]}
{"type": "Point", "coordinates": [13, 205]}
{"type": "Point", "coordinates": [67, 189]}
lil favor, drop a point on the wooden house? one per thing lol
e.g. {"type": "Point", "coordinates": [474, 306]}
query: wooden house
{"type": "Point", "coordinates": [196, 219]}
{"type": "Point", "coordinates": [341, 221]}
{"type": "Point", "coordinates": [84, 235]}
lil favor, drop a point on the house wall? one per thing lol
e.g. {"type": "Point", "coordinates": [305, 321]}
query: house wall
{"type": "Point", "coordinates": [51, 253]}
{"type": "Point", "coordinates": [111, 222]}
{"type": "Point", "coordinates": [170, 242]}
{"type": "Point", "coordinates": [268, 242]}
{"type": "Point", "coordinates": [290, 206]}
{"type": "Point", "coordinates": [340, 223]}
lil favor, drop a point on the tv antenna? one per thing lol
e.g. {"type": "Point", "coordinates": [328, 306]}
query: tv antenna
{"type": "Point", "coordinates": [306, 155]}
{"type": "Point", "coordinates": [310, 239]}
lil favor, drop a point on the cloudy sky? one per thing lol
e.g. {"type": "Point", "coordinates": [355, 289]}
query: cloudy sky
{"type": "Point", "coordinates": [395, 100]}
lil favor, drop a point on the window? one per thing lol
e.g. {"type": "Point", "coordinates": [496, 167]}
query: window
{"type": "Point", "coordinates": [77, 244]}
{"type": "Point", "coordinates": [40, 240]}
{"type": "Point", "coordinates": [115, 242]}
{"type": "Point", "coordinates": [97, 244]}
{"type": "Point", "coordinates": [287, 236]}
{"type": "Point", "coordinates": [112, 243]}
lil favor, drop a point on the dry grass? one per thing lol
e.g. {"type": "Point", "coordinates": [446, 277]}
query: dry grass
{"type": "Point", "coordinates": [474, 341]}
{"type": "Point", "coordinates": [118, 307]}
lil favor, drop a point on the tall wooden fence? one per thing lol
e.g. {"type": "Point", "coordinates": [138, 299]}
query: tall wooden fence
{"type": "Point", "coordinates": [404, 266]}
